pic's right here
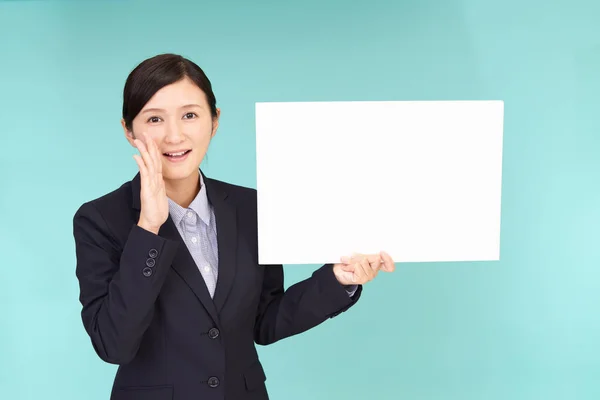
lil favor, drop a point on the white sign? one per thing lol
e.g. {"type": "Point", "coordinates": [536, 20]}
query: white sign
{"type": "Point", "coordinates": [420, 180]}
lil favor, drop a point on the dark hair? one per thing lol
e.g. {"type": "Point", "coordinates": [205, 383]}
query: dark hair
{"type": "Point", "coordinates": [156, 72]}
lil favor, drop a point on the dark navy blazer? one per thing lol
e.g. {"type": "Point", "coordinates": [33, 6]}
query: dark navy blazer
{"type": "Point", "coordinates": [146, 306]}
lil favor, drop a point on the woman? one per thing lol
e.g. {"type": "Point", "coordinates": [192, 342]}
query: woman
{"type": "Point", "coordinates": [167, 263]}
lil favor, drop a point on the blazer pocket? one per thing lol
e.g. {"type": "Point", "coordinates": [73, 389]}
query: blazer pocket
{"type": "Point", "coordinates": [255, 377]}
{"type": "Point", "coordinates": [162, 392]}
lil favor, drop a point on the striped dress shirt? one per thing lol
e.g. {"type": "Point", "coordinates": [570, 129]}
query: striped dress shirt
{"type": "Point", "coordinates": [198, 229]}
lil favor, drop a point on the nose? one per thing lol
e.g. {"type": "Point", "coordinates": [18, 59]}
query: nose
{"type": "Point", "coordinates": [174, 133]}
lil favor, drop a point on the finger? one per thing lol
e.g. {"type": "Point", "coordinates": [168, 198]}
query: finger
{"type": "Point", "coordinates": [143, 149]}
{"type": "Point", "coordinates": [375, 262]}
{"type": "Point", "coordinates": [388, 262]}
{"type": "Point", "coordinates": [347, 267]}
{"type": "Point", "coordinates": [354, 269]}
{"type": "Point", "coordinates": [151, 148]}
{"type": "Point", "coordinates": [356, 273]}
{"type": "Point", "coordinates": [350, 277]}
{"type": "Point", "coordinates": [156, 154]}
{"type": "Point", "coordinates": [371, 268]}
{"type": "Point", "coordinates": [347, 272]}
{"type": "Point", "coordinates": [141, 166]}
{"type": "Point", "coordinates": [362, 271]}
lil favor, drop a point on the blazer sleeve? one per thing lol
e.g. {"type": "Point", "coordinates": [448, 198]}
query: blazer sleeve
{"type": "Point", "coordinates": [119, 282]}
{"type": "Point", "coordinates": [304, 305]}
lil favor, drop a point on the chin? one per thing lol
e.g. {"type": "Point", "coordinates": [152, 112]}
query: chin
{"type": "Point", "coordinates": [179, 174]}
{"type": "Point", "coordinates": [182, 169]}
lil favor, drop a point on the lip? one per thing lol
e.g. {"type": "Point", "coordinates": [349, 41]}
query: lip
{"type": "Point", "coordinates": [176, 151]}
{"type": "Point", "coordinates": [177, 159]}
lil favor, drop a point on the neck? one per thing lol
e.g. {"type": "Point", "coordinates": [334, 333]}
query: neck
{"type": "Point", "coordinates": [183, 191]}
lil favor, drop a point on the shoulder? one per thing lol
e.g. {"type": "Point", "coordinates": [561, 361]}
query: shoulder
{"type": "Point", "coordinates": [240, 198]}
{"type": "Point", "coordinates": [114, 205]}
{"type": "Point", "coordinates": [238, 194]}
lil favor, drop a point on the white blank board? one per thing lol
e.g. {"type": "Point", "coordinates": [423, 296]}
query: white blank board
{"type": "Point", "coordinates": [418, 179]}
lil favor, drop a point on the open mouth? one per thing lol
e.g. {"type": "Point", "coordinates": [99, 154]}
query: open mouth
{"type": "Point", "coordinates": [177, 156]}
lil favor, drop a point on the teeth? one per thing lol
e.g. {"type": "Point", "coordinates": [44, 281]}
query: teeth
{"type": "Point", "coordinates": [176, 154]}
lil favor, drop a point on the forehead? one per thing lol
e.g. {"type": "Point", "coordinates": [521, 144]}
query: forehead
{"type": "Point", "coordinates": [176, 95]}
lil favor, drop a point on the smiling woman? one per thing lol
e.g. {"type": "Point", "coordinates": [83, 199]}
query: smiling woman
{"type": "Point", "coordinates": [170, 99]}
{"type": "Point", "coordinates": [169, 280]}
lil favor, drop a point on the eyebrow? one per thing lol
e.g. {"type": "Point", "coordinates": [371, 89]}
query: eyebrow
{"type": "Point", "coordinates": [161, 110]}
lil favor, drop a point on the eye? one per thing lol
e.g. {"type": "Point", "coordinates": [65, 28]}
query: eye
{"type": "Point", "coordinates": [190, 115]}
{"type": "Point", "coordinates": [154, 120]}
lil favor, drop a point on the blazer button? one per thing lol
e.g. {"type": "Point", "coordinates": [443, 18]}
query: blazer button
{"type": "Point", "coordinates": [153, 253]}
{"type": "Point", "coordinates": [213, 381]}
{"type": "Point", "coordinates": [147, 271]}
{"type": "Point", "coordinates": [150, 262]}
{"type": "Point", "coordinates": [213, 333]}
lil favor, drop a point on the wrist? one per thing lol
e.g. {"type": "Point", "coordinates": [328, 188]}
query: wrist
{"type": "Point", "coordinates": [149, 227]}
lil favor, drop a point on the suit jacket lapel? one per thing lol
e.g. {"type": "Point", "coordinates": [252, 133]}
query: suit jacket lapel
{"type": "Point", "coordinates": [183, 264]}
{"type": "Point", "coordinates": [225, 214]}
{"type": "Point", "coordinates": [186, 267]}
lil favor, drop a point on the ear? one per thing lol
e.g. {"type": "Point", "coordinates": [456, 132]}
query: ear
{"type": "Point", "coordinates": [216, 123]}
{"type": "Point", "coordinates": [128, 134]}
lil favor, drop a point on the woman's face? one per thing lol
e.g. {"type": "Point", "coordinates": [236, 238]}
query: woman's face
{"type": "Point", "coordinates": [179, 120]}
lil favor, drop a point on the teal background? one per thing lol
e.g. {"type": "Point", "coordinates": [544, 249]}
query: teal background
{"type": "Point", "coordinates": [527, 327]}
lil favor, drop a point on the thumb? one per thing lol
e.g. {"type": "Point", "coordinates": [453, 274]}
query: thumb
{"type": "Point", "coordinates": [346, 267]}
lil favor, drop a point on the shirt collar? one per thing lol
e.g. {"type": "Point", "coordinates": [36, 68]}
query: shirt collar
{"type": "Point", "coordinates": [199, 205]}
